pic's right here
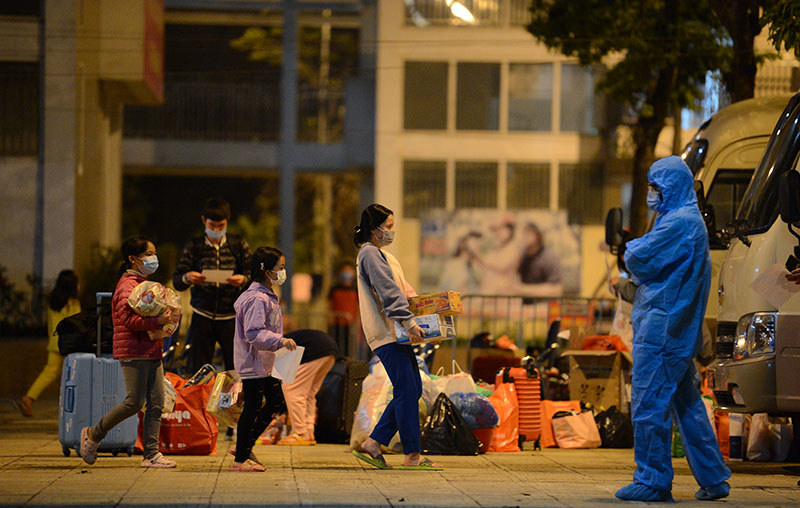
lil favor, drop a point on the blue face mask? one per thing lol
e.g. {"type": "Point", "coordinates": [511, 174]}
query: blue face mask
{"type": "Point", "coordinates": [150, 264]}
{"type": "Point", "coordinates": [215, 235]}
{"type": "Point", "coordinates": [653, 198]}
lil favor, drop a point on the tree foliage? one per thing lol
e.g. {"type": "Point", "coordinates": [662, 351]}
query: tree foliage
{"type": "Point", "coordinates": [783, 18]}
{"type": "Point", "coordinates": [657, 53]}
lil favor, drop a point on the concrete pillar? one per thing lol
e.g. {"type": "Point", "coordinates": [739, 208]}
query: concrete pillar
{"type": "Point", "coordinates": [60, 132]}
{"type": "Point", "coordinates": [288, 137]}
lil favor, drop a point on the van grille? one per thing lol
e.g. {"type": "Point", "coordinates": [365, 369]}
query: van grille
{"type": "Point", "coordinates": [726, 335]}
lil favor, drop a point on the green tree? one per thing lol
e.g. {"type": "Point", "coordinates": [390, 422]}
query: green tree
{"type": "Point", "coordinates": [783, 18]}
{"type": "Point", "coordinates": [657, 53]}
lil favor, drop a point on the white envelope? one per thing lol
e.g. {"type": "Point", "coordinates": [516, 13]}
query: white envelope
{"type": "Point", "coordinates": [220, 276]}
{"type": "Point", "coordinates": [286, 363]}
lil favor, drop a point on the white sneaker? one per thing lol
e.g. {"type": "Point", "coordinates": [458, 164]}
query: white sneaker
{"type": "Point", "coordinates": [158, 460]}
{"type": "Point", "coordinates": [88, 447]}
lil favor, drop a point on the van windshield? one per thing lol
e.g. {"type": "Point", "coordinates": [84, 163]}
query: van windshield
{"type": "Point", "coordinates": [759, 207]}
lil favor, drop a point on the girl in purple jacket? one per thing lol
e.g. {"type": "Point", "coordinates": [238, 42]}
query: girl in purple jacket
{"type": "Point", "coordinates": [259, 332]}
{"type": "Point", "coordinates": [139, 355]}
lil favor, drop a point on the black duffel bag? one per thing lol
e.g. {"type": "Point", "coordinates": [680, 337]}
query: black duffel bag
{"type": "Point", "coordinates": [78, 333]}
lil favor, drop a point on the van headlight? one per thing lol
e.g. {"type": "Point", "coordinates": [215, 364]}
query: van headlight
{"type": "Point", "coordinates": [755, 335]}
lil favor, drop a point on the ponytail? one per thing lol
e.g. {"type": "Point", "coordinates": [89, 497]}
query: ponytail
{"type": "Point", "coordinates": [263, 260]}
{"type": "Point", "coordinates": [372, 217]}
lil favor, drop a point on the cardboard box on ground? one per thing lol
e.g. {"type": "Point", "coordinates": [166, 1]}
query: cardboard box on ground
{"type": "Point", "coordinates": [601, 378]}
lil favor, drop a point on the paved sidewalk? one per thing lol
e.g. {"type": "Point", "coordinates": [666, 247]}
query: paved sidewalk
{"type": "Point", "coordinates": [34, 472]}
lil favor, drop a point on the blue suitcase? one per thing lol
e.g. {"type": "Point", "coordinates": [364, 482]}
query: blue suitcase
{"type": "Point", "coordinates": [90, 386]}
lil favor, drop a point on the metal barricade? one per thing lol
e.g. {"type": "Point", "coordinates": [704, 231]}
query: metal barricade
{"type": "Point", "coordinates": [526, 320]}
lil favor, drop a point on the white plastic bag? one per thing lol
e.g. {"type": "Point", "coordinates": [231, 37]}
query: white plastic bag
{"type": "Point", "coordinates": [429, 390]}
{"type": "Point", "coordinates": [459, 381]}
{"type": "Point", "coordinates": [170, 396]}
{"type": "Point", "coordinates": [370, 409]}
{"type": "Point", "coordinates": [622, 324]}
{"type": "Point", "coordinates": [758, 442]}
{"type": "Point", "coordinates": [150, 299]}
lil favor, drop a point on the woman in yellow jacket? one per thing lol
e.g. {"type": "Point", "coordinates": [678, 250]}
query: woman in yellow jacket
{"type": "Point", "coordinates": [63, 303]}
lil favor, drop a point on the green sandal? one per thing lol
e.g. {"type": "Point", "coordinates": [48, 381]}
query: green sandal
{"type": "Point", "coordinates": [378, 462]}
{"type": "Point", "coordinates": [424, 465]}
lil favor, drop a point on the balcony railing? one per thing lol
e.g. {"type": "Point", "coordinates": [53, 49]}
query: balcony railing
{"type": "Point", "coordinates": [210, 111]}
{"type": "Point", "coordinates": [236, 112]}
{"type": "Point", "coordinates": [468, 12]}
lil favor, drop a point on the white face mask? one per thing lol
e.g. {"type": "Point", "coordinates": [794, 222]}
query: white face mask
{"type": "Point", "coordinates": [149, 264]}
{"type": "Point", "coordinates": [281, 277]}
{"type": "Point", "coordinates": [387, 238]}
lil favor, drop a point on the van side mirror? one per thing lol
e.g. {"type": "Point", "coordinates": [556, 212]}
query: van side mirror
{"type": "Point", "coordinates": [700, 193]}
{"type": "Point", "coordinates": [789, 197]}
{"type": "Point", "coordinates": [615, 237]}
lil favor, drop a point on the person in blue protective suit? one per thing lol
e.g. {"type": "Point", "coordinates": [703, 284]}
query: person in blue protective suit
{"type": "Point", "coordinates": [671, 268]}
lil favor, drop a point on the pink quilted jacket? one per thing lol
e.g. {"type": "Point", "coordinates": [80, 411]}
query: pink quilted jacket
{"type": "Point", "coordinates": [130, 329]}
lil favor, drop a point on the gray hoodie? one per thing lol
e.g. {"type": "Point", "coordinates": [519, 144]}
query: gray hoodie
{"type": "Point", "coordinates": [380, 297]}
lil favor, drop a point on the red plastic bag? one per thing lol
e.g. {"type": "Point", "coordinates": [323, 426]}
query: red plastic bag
{"type": "Point", "coordinates": [189, 429]}
{"type": "Point", "coordinates": [604, 343]}
{"type": "Point", "coordinates": [506, 435]}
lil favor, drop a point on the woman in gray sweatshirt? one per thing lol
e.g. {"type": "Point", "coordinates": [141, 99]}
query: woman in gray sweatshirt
{"type": "Point", "coordinates": [382, 302]}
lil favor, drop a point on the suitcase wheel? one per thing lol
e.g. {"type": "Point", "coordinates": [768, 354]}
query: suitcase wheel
{"type": "Point", "coordinates": [115, 452]}
{"type": "Point", "coordinates": [65, 451]}
{"type": "Point", "coordinates": [130, 451]}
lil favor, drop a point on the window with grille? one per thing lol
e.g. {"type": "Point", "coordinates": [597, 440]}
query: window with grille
{"type": "Point", "coordinates": [528, 185]}
{"type": "Point", "coordinates": [580, 192]}
{"type": "Point", "coordinates": [424, 186]}
{"type": "Point", "coordinates": [476, 185]}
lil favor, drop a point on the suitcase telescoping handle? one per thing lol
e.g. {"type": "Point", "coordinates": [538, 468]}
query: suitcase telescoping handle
{"type": "Point", "coordinates": [100, 297]}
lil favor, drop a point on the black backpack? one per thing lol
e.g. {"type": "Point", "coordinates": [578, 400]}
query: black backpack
{"type": "Point", "coordinates": [78, 333]}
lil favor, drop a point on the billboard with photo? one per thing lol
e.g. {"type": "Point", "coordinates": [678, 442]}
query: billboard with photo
{"type": "Point", "coordinates": [489, 252]}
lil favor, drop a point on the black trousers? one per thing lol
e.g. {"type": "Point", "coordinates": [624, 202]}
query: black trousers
{"type": "Point", "coordinates": [204, 334]}
{"type": "Point", "coordinates": [257, 413]}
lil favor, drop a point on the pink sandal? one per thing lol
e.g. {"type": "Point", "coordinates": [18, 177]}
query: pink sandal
{"type": "Point", "coordinates": [248, 466]}
{"type": "Point", "coordinates": [232, 451]}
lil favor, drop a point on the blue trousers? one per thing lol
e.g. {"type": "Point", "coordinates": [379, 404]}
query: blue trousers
{"type": "Point", "coordinates": [402, 413]}
{"type": "Point", "coordinates": [664, 389]}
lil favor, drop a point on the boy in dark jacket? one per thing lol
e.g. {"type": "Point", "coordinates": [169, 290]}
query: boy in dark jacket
{"type": "Point", "coordinates": [213, 318]}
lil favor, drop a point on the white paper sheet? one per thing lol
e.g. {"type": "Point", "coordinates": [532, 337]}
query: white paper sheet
{"type": "Point", "coordinates": [220, 276]}
{"type": "Point", "coordinates": [773, 287]}
{"type": "Point", "coordinates": [286, 363]}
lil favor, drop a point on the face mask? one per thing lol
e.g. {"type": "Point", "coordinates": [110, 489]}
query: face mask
{"type": "Point", "coordinates": [653, 198]}
{"type": "Point", "coordinates": [150, 264]}
{"type": "Point", "coordinates": [215, 235]}
{"type": "Point", "coordinates": [388, 237]}
{"type": "Point", "coordinates": [346, 277]}
{"type": "Point", "coordinates": [281, 278]}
